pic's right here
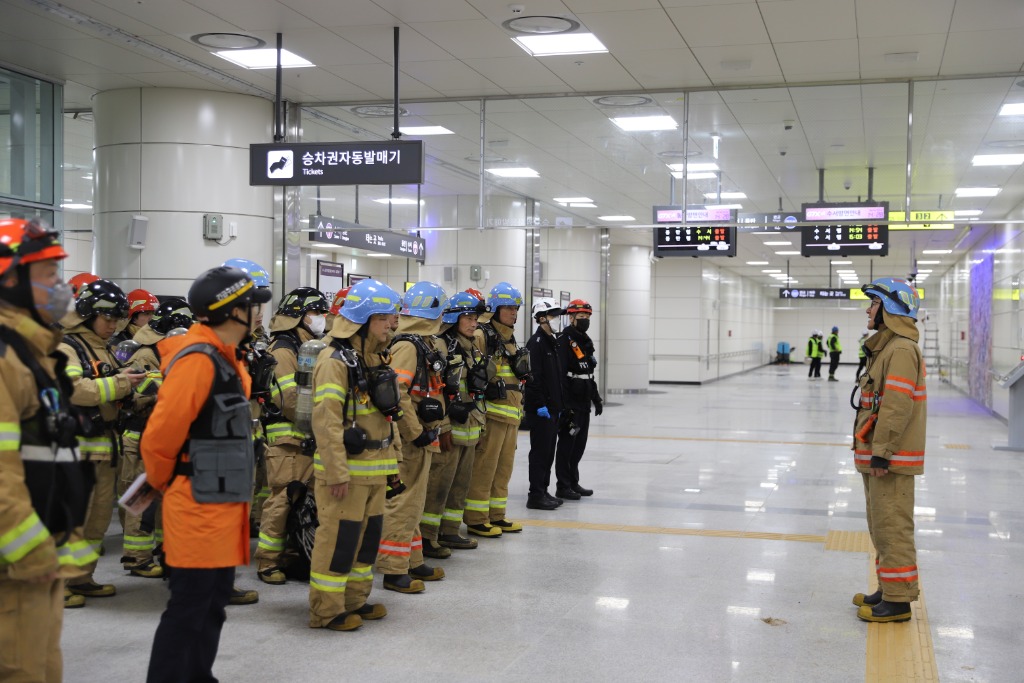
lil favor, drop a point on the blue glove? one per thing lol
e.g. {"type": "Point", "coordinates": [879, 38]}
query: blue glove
{"type": "Point", "coordinates": [543, 412]}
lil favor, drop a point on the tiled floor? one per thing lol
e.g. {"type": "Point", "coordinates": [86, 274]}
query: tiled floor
{"type": "Point", "coordinates": [758, 462]}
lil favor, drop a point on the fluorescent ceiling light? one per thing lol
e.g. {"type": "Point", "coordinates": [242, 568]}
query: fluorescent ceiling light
{"type": "Point", "coordinates": [777, 244]}
{"type": "Point", "coordinates": [788, 253]}
{"type": "Point", "coordinates": [977, 192]}
{"type": "Point", "coordinates": [75, 205]}
{"type": "Point", "coordinates": [378, 255]}
{"type": "Point", "coordinates": [723, 206]}
{"type": "Point", "coordinates": [840, 263]}
{"type": "Point", "coordinates": [263, 58]}
{"type": "Point", "coordinates": [583, 205]}
{"type": "Point", "coordinates": [395, 200]}
{"type": "Point", "coordinates": [642, 123]}
{"type": "Point", "coordinates": [967, 213]}
{"type": "Point", "coordinates": [757, 263]}
{"type": "Point", "coordinates": [794, 282]}
{"type": "Point", "coordinates": [561, 44]}
{"type": "Point", "coordinates": [702, 166]}
{"type": "Point", "coordinates": [700, 175]}
{"type": "Point", "coordinates": [513, 172]}
{"type": "Point", "coordinates": [997, 160]}
{"type": "Point", "coordinates": [925, 270]}
{"type": "Point", "coordinates": [771, 270]}
{"type": "Point", "coordinates": [571, 200]}
{"type": "Point", "coordinates": [426, 130]}
{"type": "Point", "coordinates": [1012, 109]}
{"type": "Point", "coordinates": [937, 251]}
{"type": "Point", "coordinates": [725, 195]}
{"type": "Point", "coordinates": [615, 218]}
{"type": "Point", "coordinates": [929, 263]}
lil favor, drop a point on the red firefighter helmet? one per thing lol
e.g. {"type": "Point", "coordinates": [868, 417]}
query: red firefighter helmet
{"type": "Point", "coordinates": [81, 280]}
{"type": "Point", "coordinates": [475, 292]}
{"type": "Point", "coordinates": [23, 241]}
{"type": "Point", "coordinates": [141, 301]}
{"type": "Point", "coordinates": [579, 306]}
{"type": "Point", "coordinates": [339, 301]}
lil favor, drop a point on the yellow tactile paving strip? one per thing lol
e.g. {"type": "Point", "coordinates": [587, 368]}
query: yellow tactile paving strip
{"type": "Point", "coordinates": [647, 437]}
{"type": "Point", "coordinates": [895, 653]}
{"type": "Point", "coordinates": [958, 446]}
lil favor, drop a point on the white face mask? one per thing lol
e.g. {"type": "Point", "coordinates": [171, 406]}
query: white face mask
{"type": "Point", "coordinates": [317, 325]}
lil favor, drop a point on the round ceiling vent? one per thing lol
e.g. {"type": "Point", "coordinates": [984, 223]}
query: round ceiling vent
{"type": "Point", "coordinates": [540, 25]}
{"type": "Point", "coordinates": [622, 101]}
{"type": "Point", "coordinates": [378, 110]}
{"type": "Point", "coordinates": [228, 41]}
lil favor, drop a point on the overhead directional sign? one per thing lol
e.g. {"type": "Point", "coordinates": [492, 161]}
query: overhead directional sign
{"type": "Point", "coordinates": [804, 293]}
{"type": "Point", "coordinates": [693, 214]}
{"type": "Point", "coordinates": [844, 240]}
{"type": "Point", "coordinates": [683, 240]}
{"type": "Point", "coordinates": [334, 231]}
{"type": "Point", "coordinates": [875, 212]}
{"type": "Point", "coordinates": [922, 220]}
{"type": "Point", "coordinates": [750, 222]}
{"type": "Point", "coordinates": [393, 162]}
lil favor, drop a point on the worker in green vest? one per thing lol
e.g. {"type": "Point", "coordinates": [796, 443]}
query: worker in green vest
{"type": "Point", "coordinates": [835, 349]}
{"type": "Point", "coordinates": [814, 352]}
{"type": "Point", "coordinates": [862, 355]}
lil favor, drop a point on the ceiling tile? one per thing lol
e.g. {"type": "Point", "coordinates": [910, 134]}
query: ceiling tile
{"type": "Point", "coordinates": [250, 16]}
{"type": "Point", "coordinates": [983, 52]}
{"type": "Point", "coordinates": [764, 67]}
{"type": "Point", "coordinates": [819, 60]}
{"type": "Point", "coordinates": [663, 68]}
{"type": "Point", "coordinates": [348, 13]}
{"type": "Point", "coordinates": [321, 46]}
{"type": "Point", "coordinates": [378, 40]}
{"type": "Point", "coordinates": [591, 72]}
{"type": "Point", "coordinates": [584, 6]}
{"type": "Point", "coordinates": [440, 11]}
{"type": "Point", "coordinates": [988, 15]}
{"type": "Point", "coordinates": [928, 47]}
{"type": "Point", "coordinates": [171, 16]}
{"type": "Point", "coordinates": [467, 39]}
{"type": "Point", "coordinates": [447, 75]}
{"type": "Point", "coordinates": [379, 79]}
{"type": "Point", "coordinates": [793, 21]}
{"type": "Point", "coordinates": [516, 72]}
{"type": "Point", "coordinates": [105, 55]}
{"type": "Point", "coordinates": [635, 29]}
{"type": "Point", "coordinates": [903, 19]}
{"type": "Point", "coordinates": [717, 25]}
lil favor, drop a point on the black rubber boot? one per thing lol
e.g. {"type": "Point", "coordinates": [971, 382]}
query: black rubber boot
{"type": "Point", "coordinates": [885, 612]}
{"type": "Point", "coordinates": [860, 599]}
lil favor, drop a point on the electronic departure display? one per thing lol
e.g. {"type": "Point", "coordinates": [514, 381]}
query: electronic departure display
{"type": "Point", "coordinates": [681, 240]}
{"type": "Point", "coordinates": [844, 240]}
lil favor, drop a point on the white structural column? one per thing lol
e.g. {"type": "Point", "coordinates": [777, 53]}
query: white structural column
{"type": "Point", "coordinates": [629, 315]}
{"type": "Point", "coordinates": [172, 155]}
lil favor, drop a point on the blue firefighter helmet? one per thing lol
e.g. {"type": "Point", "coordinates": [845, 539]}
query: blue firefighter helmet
{"type": "Point", "coordinates": [898, 297]}
{"type": "Point", "coordinates": [369, 297]}
{"type": "Point", "coordinates": [257, 272]}
{"type": "Point", "coordinates": [424, 300]}
{"type": "Point", "coordinates": [504, 294]}
{"type": "Point", "coordinates": [460, 303]}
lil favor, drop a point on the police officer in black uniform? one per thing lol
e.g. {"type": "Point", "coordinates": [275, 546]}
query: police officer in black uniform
{"type": "Point", "coordinates": [580, 392]}
{"type": "Point", "coordinates": [543, 402]}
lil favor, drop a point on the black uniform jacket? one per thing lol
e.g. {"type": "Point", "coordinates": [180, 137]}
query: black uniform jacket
{"type": "Point", "coordinates": [544, 388]}
{"type": "Point", "coordinates": [578, 359]}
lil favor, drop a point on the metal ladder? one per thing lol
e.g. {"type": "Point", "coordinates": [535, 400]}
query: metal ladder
{"type": "Point", "coordinates": [930, 350]}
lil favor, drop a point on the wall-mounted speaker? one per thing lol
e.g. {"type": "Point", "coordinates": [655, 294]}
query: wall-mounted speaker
{"type": "Point", "coordinates": [137, 232]}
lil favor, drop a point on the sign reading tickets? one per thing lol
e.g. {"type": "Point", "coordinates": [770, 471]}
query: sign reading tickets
{"type": "Point", "coordinates": [334, 231]}
{"type": "Point", "coordinates": [392, 162]}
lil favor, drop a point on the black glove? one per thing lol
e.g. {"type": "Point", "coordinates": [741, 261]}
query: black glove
{"type": "Point", "coordinates": [395, 486]}
{"type": "Point", "coordinates": [598, 407]}
{"type": "Point", "coordinates": [259, 449]}
{"type": "Point", "coordinates": [878, 462]}
{"type": "Point", "coordinates": [425, 438]}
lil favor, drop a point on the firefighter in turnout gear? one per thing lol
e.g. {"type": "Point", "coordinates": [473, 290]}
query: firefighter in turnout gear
{"type": "Point", "coordinates": [141, 307]}
{"type": "Point", "coordinates": [465, 412]}
{"type": "Point", "coordinates": [101, 385]}
{"type": "Point", "coordinates": [889, 442]}
{"type": "Point", "coordinates": [289, 457]}
{"type": "Point", "coordinates": [198, 451]}
{"type": "Point", "coordinates": [419, 365]}
{"type": "Point", "coordinates": [544, 402]}
{"type": "Point", "coordinates": [835, 349]}
{"type": "Point", "coordinates": [38, 459]}
{"type": "Point", "coordinates": [487, 497]}
{"type": "Point", "coordinates": [141, 532]}
{"type": "Point", "coordinates": [580, 394]}
{"type": "Point", "coordinates": [356, 397]}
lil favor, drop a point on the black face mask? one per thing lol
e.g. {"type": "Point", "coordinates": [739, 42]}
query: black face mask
{"type": "Point", "coordinates": [583, 324]}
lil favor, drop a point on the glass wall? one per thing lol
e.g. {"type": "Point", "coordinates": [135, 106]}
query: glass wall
{"type": "Point", "coordinates": [30, 127]}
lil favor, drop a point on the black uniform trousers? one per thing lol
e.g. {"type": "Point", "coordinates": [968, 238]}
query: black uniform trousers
{"type": "Point", "coordinates": [833, 362]}
{"type": "Point", "coordinates": [570, 449]}
{"type": "Point", "coordinates": [543, 434]}
{"type": "Point", "coordinates": [815, 370]}
{"type": "Point", "coordinates": [188, 636]}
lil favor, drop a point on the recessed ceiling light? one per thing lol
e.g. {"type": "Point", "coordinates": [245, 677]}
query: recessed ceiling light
{"type": "Point", "coordinates": [696, 166]}
{"type": "Point", "coordinates": [571, 200]}
{"type": "Point", "coordinates": [395, 200]}
{"type": "Point", "coordinates": [937, 251]}
{"type": "Point", "coordinates": [900, 57]}
{"type": "Point", "coordinates": [965, 213]}
{"type": "Point", "coordinates": [929, 263]}
{"type": "Point", "coordinates": [977, 191]}
{"type": "Point", "coordinates": [840, 263]}
{"type": "Point", "coordinates": [375, 255]}
{"type": "Point", "coordinates": [426, 130]}
{"type": "Point", "coordinates": [76, 205]}
{"type": "Point", "coordinates": [645, 123]}
{"type": "Point", "coordinates": [757, 263]}
{"type": "Point", "coordinates": [228, 41]}
{"type": "Point", "coordinates": [723, 206]}
{"type": "Point", "coordinates": [1012, 109]}
{"type": "Point", "coordinates": [925, 270]}
{"type": "Point", "coordinates": [583, 205]}
{"type": "Point", "coordinates": [616, 218]}
{"type": "Point", "coordinates": [788, 253]}
{"type": "Point", "coordinates": [771, 270]}
{"type": "Point", "coordinates": [703, 175]}
{"type": "Point", "coordinates": [777, 244]}
{"type": "Point", "coordinates": [540, 25]}
{"type": "Point", "coordinates": [522, 172]}
{"type": "Point", "coordinates": [997, 160]}
{"type": "Point", "coordinates": [561, 44]}
{"type": "Point", "coordinates": [263, 58]}
{"type": "Point", "coordinates": [622, 101]}
{"type": "Point", "coordinates": [725, 195]}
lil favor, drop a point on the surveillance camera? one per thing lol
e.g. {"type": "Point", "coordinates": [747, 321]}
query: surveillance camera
{"type": "Point", "coordinates": [782, 152]}
{"type": "Point", "coordinates": [787, 125]}
{"type": "Point", "coordinates": [847, 185]}
{"type": "Point", "coordinates": [517, 9]}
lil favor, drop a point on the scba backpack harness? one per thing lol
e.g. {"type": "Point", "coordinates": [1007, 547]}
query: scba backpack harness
{"type": "Point", "coordinates": [220, 444]}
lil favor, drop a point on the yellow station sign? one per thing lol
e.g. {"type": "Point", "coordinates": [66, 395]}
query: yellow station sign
{"type": "Point", "coordinates": [922, 220]}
